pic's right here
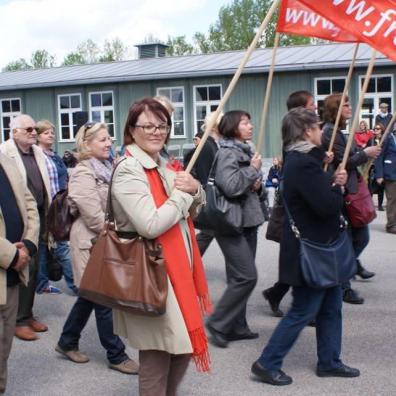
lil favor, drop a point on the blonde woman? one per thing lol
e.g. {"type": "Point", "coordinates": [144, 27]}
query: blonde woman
{"type": "Point", "coordinates": [88, 188]}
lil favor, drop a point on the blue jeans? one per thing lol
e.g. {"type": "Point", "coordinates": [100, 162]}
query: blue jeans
{"type": "Point", "coordinates": [323, 304]}
{"type": "Point", "coordinates": [360, 238]}
{"type": "Point", "coordinates": [62, 254]}
{"type": "Point", "coordinates": [78, 318]}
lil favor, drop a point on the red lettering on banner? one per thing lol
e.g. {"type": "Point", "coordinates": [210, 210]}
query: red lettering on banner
{"type": "Point", "coordinates": [296, 18]}
{"type": "Point", "coordinates": [373, 22]}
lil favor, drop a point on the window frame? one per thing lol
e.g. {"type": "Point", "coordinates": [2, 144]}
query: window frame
{"type": "Point", "coordinates": [375, 96]}
{"type": "Point", "coordinates": [175, 105]}
{"type": "Point", "coordinates": [70, 112]}
{"type": "Point", "coordinates": [102, 109]}
{"type": "Point", "coordinates": [321, 97]}
{"type": "Point", "coordinates": [10, 114]}
{"type": "Point", "coordinates": [207, 103]}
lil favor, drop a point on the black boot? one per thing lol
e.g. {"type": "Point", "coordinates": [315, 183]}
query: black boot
{"type": "Point", "coordinates": [362, 272]}
{"type": "Point", "coordinates": [274, 304]}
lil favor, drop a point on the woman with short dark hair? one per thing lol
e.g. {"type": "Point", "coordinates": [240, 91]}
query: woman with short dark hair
{"type": "Point", "coordinates": [314, 200]}
{"type": "Point", "coordinates": [238, 175]}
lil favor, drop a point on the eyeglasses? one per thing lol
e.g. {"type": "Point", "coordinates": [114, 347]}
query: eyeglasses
{"type": "Point", "coordinates": [151, 128]}
{"type": "Point", "coordinates": [28, 130]}
{"type": "Point", "coordinates": [377, 129]}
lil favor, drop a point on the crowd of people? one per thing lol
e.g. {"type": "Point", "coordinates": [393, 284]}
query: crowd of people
{"type": "Point", "coordinates": [153, 196]}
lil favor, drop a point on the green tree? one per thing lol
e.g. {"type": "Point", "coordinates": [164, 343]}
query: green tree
{"type": "Point", "coordinates": [113, 50]}
{"type": "Point", "coordinates": [178, 46]}
{"type": "Point", "coordinates": [89, 51]}
{"type": "Point", "coordinates": [42, 59]}
{"type": "Point", "coordinates": [20, 64]}
{"type": "Point", "coordinates": [236, 27]}
{"type": "Point", "coordinates": [73, 58]}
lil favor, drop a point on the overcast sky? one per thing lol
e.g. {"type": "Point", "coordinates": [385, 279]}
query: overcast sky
{"type": "Point", "coordinates": [59, 26]}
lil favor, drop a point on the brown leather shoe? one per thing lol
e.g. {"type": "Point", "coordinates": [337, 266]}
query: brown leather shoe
{"type": "Point", "coordinates": [128, 366]}
{"type": "Point", "coordinates": [37, 326]}
{"type": "Point", "coordinates": [25, 333]}
{"type": "Point", "coordinates": [75, 356]}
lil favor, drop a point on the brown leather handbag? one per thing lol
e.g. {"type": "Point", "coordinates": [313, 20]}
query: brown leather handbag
{"type": "Point", "coordinates": [127, 274]}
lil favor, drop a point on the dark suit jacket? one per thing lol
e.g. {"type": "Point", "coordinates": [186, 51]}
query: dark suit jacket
{"type": "Point", "coordinates": [204, 161]}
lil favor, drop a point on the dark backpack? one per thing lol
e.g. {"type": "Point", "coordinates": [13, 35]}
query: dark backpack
{"type": "Point", "coordinates": [59, 218]}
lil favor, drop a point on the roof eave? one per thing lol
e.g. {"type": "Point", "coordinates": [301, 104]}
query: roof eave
{"type": "Point", "coordinates": [190, 74]}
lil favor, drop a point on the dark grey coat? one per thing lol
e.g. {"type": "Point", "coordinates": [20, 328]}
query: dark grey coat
{"type": "Point", "coordinates": [235, 177]}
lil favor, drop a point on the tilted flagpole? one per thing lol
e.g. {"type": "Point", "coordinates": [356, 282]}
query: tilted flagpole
{"type": "Point", "coordinates": [344, 94]}
{"type": "Point", "coordinates": [263, 121]}
{"type": "Point", "coordinates": [230, 88]}
{"type": "Point", "coordinates": [355, 122]}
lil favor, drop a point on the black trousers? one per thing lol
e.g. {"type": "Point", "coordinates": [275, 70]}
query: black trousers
{"type": "Point", "coordinates": [239, 253]}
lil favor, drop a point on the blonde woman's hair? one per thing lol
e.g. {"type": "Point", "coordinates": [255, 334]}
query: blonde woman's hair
{"type": "Point", "coordinates": [166, 103]}
{"type": "Point", "coordinates": [85, 135]}
{"type": "Point", "coordinates": [43, 125]}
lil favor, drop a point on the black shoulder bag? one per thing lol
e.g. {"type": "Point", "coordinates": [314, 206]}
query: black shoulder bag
{"type": "Point", "coordinates": [325, 265]}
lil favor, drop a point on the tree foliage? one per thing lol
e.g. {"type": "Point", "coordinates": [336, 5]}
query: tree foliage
{"type": "Point", "coordinates": [113, 50]}
{"type": "Point", "coordinates": [42, 59]}
{"type": "Point", "coordinates": [237, 25]}
{"type": "Point", "coordinates": [20, 64]}
{"type": "Point", "coordinates": [178, 46]}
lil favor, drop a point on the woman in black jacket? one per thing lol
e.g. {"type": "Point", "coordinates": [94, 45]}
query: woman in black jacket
{"type": "Point", "coordinates": [360, 235]}
{"type": "Point", "coordinates": [314, 200]}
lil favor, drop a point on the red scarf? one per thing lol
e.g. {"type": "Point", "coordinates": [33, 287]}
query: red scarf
{"type": "Point", "coordinates": [189, 284]}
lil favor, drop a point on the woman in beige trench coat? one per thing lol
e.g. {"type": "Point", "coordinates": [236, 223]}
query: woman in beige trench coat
{"type": "Point", "coordinates": [166, 342]}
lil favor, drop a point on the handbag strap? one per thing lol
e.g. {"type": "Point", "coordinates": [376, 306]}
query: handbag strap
{"type": "Point", "coordinates": [212, 172]}
{"type": "Point", "coordinates": [109, 214]}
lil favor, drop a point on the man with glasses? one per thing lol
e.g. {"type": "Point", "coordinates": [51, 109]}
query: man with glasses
{"type": "Point", "coordinates": [30, 162]}
{"type": "Point", "coordinates": [383, 117]}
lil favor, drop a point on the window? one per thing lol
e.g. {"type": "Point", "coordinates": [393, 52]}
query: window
{"type": "Point", "coordinates": [68, 105]}
{"type": "Point", "coordinates": [325, 87]}
{"type": "Point", "coordinates": [10, 108]}
{"type": "Point", "coordinates": [101, 109]}
{"type": "Point", "coordinates": [206, 100]}
{"type": "Point", "coordinates": [379, 91]}
{"type": "Point", "coordinates": [176, 96]}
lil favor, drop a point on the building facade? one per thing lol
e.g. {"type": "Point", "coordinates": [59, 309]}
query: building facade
{"type": "Point", "coordinates": [195, 84]}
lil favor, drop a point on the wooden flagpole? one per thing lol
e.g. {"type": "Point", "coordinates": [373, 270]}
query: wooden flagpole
{"type": "Point", "coordinates": [384, 136]}
{"type": "Point", "coordinates": [263, 121]}
{"type": "Point", "coordinates": [344, 94]}
{"type": "Point", "coordinates": [233, 82]}
{"type": "Point", "coordinates": [355, 122]}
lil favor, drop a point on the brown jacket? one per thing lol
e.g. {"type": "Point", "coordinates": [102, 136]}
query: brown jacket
{"type": "Point", "coordinates": [87, 196]}
{"type": "Point", "coordinates": [28, 209]}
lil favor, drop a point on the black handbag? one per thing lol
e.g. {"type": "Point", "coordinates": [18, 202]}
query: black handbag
{"type": "Point", "coordinates": [220, 213]}
{"type": "Point", "coordinates": [54, 269]}
{"type": "Point", "coordinates": [275, 222]}
{"type": "Point", "coordinates": [325, 265]}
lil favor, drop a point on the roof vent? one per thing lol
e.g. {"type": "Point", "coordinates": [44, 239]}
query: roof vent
{"type": "Point", "coordinates": [151, 50]}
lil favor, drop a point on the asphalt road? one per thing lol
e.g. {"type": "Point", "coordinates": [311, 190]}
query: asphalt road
{"type": "Point", "coordinates": [368, 341]}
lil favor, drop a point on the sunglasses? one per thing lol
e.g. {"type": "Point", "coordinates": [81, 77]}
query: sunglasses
{"type": "Point", "coordinates": [88, 125]}
{"type": "Point", "coordinates": [29, 130]}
